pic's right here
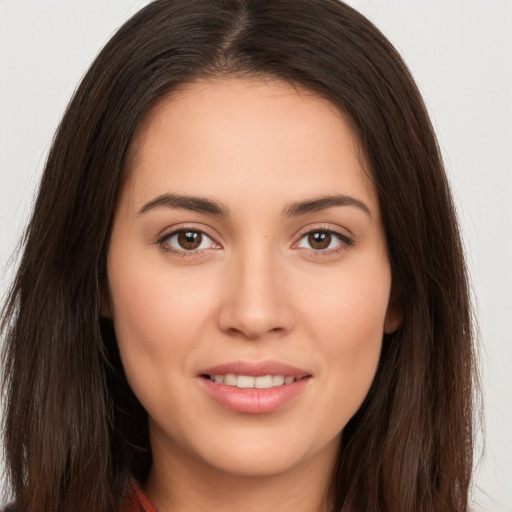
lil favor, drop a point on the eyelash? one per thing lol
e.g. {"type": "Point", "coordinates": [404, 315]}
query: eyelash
{"type": "Point", "coordinates": [163, 242]}
{"type": "Point", "coordinates": [345, 242]}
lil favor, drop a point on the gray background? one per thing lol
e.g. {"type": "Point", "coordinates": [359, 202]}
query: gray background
{"type": "Point", "coordinates": [461, 55]}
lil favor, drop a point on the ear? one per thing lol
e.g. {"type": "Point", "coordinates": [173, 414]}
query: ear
{"type": "Point", "coordinates": [395, 313]}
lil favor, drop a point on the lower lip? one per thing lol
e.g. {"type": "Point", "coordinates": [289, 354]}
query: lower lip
{"type": "Point", "coordinates": [253, 400]}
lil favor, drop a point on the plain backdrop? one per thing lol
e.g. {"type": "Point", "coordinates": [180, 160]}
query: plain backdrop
{"type": "Point", "coordinates": [461, 55]}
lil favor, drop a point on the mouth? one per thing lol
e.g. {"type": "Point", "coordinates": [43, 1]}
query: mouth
{"type": "Point", "coordinates": [253, 382]}
{"type": "Point", "coordinates": [254, 388]}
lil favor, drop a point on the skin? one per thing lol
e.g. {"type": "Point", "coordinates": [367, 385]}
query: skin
{"type": "Point", "coordinates": [255, 290]}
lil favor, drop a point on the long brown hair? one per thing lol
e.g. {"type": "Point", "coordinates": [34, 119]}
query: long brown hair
{"type": "Point", "coordinates": [74, 433]}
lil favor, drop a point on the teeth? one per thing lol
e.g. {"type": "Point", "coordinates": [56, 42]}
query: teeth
{"type": "Point", "coordinates": [277, 380]}
{"type": "Point", "coordinates": [229, 379]}
{"type": "Point", "coordinates": [264, 382]}
{"type": "Point", "coordinates": [244, 381]}
{"type": "Point", "coordinates": [249, 382]}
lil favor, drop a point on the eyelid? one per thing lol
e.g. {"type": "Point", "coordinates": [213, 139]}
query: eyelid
{"type": "Point", "coordinates": [167, 233]}
{"type": "Point", "coordinates": [346, 240]}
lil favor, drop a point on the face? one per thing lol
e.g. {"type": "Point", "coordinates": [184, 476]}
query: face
{"type": "Point", "coordinates": [248, 276]}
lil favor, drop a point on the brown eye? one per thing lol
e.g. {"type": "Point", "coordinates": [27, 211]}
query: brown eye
{"type": "Point", "coordinates": [324, 241]}
{"type": "Point", "coordinates": [319, 240]}
{"type": "Point", "coordinates": [189, 240]}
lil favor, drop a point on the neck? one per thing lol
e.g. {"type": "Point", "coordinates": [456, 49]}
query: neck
{"type": "Point", "coordinates": [181, 483]}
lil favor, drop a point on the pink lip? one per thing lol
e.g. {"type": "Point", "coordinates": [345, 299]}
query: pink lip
{"type": "Point", "coordinates": [254, 401]}
{"type": "Point", "coordinates": [256, 369]}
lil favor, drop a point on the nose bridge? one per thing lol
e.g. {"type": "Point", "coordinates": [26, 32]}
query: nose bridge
{"type": "Point", "coordinates": [256, 301]}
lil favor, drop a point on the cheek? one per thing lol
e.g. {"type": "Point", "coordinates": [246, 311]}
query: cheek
{"type": "Point", "coordinates": [156, 319]}
{"type": "Point", "coordinates": [156, 341]}
{"type": "Point", "coordinates": [348, 310]}
{"type": "Point", "coordinates": [347, 322]}
{"type": "Point", "coordinates": [152, 305]}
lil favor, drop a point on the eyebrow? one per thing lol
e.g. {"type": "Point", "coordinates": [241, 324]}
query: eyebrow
{"type": "Point", "coordinates": [323, 203]}
{"type": "Point", "coordinates": [181, 202]}
{"type": "Point", "coordinates": [212, 207]}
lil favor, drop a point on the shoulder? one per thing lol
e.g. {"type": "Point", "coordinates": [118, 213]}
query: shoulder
{"type": "Point", "coordinates": [137, 501]}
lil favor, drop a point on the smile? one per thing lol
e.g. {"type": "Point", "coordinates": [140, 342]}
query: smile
{"type": "Point", "coordinates": [249, 381]}
{"type": "Point", "coordinates": [254, 387]}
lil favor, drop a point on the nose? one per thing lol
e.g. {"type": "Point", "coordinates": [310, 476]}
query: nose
{"type": "Point", "coordinates": [255, 303]}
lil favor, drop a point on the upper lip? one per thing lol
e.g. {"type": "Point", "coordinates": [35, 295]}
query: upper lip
{"type": "Point", "coordinates": [256, 369]}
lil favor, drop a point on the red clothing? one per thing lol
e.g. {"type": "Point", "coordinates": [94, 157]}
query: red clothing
{"type": "Point", "coordinates": [138, 501]}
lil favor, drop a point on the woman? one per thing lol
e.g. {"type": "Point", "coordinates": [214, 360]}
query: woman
{"type": "Point", "coordinates": [243, 284]}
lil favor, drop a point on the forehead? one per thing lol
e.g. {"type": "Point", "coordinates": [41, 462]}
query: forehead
{"type": "Point", "coordinates": [246, 132]}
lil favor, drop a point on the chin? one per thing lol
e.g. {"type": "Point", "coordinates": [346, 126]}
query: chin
{"type": "Point", "coordinates": [263, 456]}
{"type": "Point", "coordinates": [258, 464]}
